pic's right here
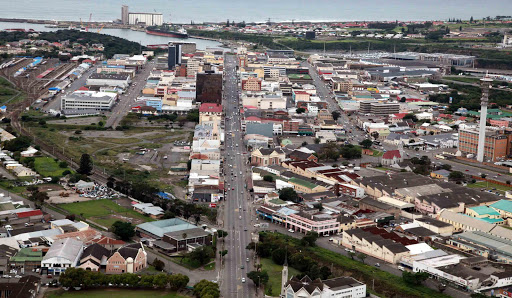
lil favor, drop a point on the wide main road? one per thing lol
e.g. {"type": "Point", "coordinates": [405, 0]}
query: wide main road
{"type": "Point", "coordinates": [234, 281]}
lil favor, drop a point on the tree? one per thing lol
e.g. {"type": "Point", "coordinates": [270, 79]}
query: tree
{"type": "Point", "coordinates": [366, 143]}
{"type": "Point", "coordinates": [414, 278]}
{"type": "Point", "coordinates": [158, 264]}
{"type": "Point", "coordinates": [206, 289]}
{"type": "Point", "coordinates": [160, 280]}
{"type": "Point", "coordinates": [335, 115]}
{"type": "Point", "coordinates": [178, 281]}
{"type": "Point", "coordinates": [289, 194]}
{"type": "Point", "coordinates": [73, 277]}
{"type": "Point", "coordinates": [63, 164]}
{"type": "Point", "coordinates": [222, 233]}
{"type": "Point", "coordinates": [222, 253]}
{"type": "Point", "coordinates": [124, 230]}
{"type": "Point", "coordinates": [258, 277]}
{"type": "Point", "coordinates": [375, 135]}
{"type": "Point", "coordinates": [411, 116]}
{"type": "Point", "coordinates": [446, 167]}
{"type": "Point", "coordinates": [309, 239]}
{"type": "Point", "coordinates": [483, 175]}
{"type": "Point", "coordinates": [18, 144]}
{"type": "Point", "coordinates": [201, 255]}
{"type": "Point", "coordinates": [85, 164]}
{"type": "Point", "coordinates": [268, 178]}
{"type": "Point", "coordinates": [471, 20]}
{"type": "Point", "coordinates": [71, 217]}
{"type": "Point", "coordinates": [300, 110]}
{"type": "Point", "coordinates": [362, 257]}
{"type": "Point", "coordinates": [456, 175]}
{"type": "Point", "coordinates": [317, 140]}
{"type": "Point", "coordinates": [39, 197]}
{"type": "Point", "coordinates": [279, 256]}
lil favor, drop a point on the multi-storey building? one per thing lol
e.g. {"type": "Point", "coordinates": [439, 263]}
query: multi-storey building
{"type": "Point", "coordinates": [497, 143]}
{"type": "Point", "coordinates": [251, 84]}
{"type": "Point", "coordinates": [377, 108]}
{"type": "Point", "coordinates": [303, 223]}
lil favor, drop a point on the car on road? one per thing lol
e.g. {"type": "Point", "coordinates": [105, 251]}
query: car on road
{"type": "Point", "coordinates": [291, 231]}
{"type": "Point", "coordinates": [377, 265]}
{"type": "Point", "coordinates": [242, 267]}
{"type": "Point", "coordinates": [247, 260]}
{"type": "Point", "coordinates": [245, 229]}
{"type": "Point", "coordinates": [243, 279]}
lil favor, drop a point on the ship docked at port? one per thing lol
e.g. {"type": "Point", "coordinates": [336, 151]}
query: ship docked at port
{"type": "Point", "coordinates": [166, 30]}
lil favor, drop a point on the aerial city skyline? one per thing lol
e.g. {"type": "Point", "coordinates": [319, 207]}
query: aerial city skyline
{"type": "Point", "coordinates": [267, 149]}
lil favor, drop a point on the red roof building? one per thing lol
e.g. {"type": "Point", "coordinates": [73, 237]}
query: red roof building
{"type": "Point", "coordinates": [392, 154]}
{"type": "Point", "coordinates": [210, 108]}
{"type": "Point", "coordinates": [26, 214]}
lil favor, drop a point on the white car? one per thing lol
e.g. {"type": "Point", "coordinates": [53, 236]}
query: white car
{"type": "Point", "coordinates": [291, 231]}
{"type": "Point", "coordinates": [243, 279]}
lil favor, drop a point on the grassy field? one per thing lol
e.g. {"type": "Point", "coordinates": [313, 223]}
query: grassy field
{"type": "Point", "coordinates": [489, 186]}
{"type": "Point", "coordinates": [7, 91]}
{"type": "Point", "coordinates": [120, 141]}
{"type": "Point", "coordinates": [113, 293]}
{"type": "Point", "coordinates": [48, 167]}
{"type": "Point", "coordinates": [274, 274]}
{"type": "Point", "coordinates": [101, 211]}
{"type": "Point", "coordinates": [462, 79]}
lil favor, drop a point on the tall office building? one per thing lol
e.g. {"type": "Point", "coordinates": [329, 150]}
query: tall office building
{"type": "Point", "coordinates": [179, 48]}
{"type": "Point", "coordinates": [124, 14]}
{"type": "Point", "coordinates": [209, 87]}
{"type": "Point", "coordinates": [486, 84]}
{"type": "Point", "coordinates": [171, 57]}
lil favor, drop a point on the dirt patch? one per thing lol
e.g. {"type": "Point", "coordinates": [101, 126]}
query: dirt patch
{"type": "Point", "coordinates": [124, 202]}
{"type": "Point", "coordinates": [50, 188]}
{"type": "Point", "coordinates": [78, 121]}
{"type": "Point", "coordinates": [64, 197]}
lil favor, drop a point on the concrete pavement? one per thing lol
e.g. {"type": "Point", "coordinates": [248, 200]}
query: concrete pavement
{"type": "Point", "coordinates": [122, 108]}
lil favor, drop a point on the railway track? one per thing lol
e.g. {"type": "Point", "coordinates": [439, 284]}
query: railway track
{"type": "Point", "coordinates": [33, 93]}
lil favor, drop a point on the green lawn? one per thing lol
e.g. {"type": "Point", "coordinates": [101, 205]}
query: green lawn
{"type": "Point", "coordinates": [48, 167]}
{"type": "Point", "coordinates": [274, 273]}
{"type": "Point", "coordinates": [489, 186]}
{"type": "Point", "coordinates": [113, 293]}
{"type": "Point", "coordinates": [210, 266]}
{"type": "Point", "coordinates": [100, 211]}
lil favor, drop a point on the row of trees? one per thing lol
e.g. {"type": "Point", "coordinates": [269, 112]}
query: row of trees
{"type": "Point", "coordinates": [333, 151]}
{"type": "Point", "coordinates": [278, 249]}
{"type": "Point", "coordinates": [206, 289]}
{"type": "Point", "coordinates": [78, 277]}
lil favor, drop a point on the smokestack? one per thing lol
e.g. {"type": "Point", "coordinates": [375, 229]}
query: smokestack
{"type": "Point", "coordinates": [486, 84]}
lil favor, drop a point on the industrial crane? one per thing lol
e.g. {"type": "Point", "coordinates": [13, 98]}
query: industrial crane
{"type": "Point", "coordinates": [88, 23]}
{"type": "Point", "coordinates": [99, 30]}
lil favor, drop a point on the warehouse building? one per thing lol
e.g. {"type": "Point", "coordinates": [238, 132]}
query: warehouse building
{"type": "Point", "coordinates": [145, 18]}
{"type": "Point", "coordinates": [88, 100]}
{"type": "Point", "coordinates": [109, 79]}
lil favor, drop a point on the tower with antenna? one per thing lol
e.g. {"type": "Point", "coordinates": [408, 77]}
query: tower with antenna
{"type": "Point", "coordinates": [284, 274]}
{"type": "Point", "coordinates": [485, 83]}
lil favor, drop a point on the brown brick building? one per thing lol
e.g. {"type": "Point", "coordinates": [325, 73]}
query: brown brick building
{"type": "Point", "coordinates": [497, 143]}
